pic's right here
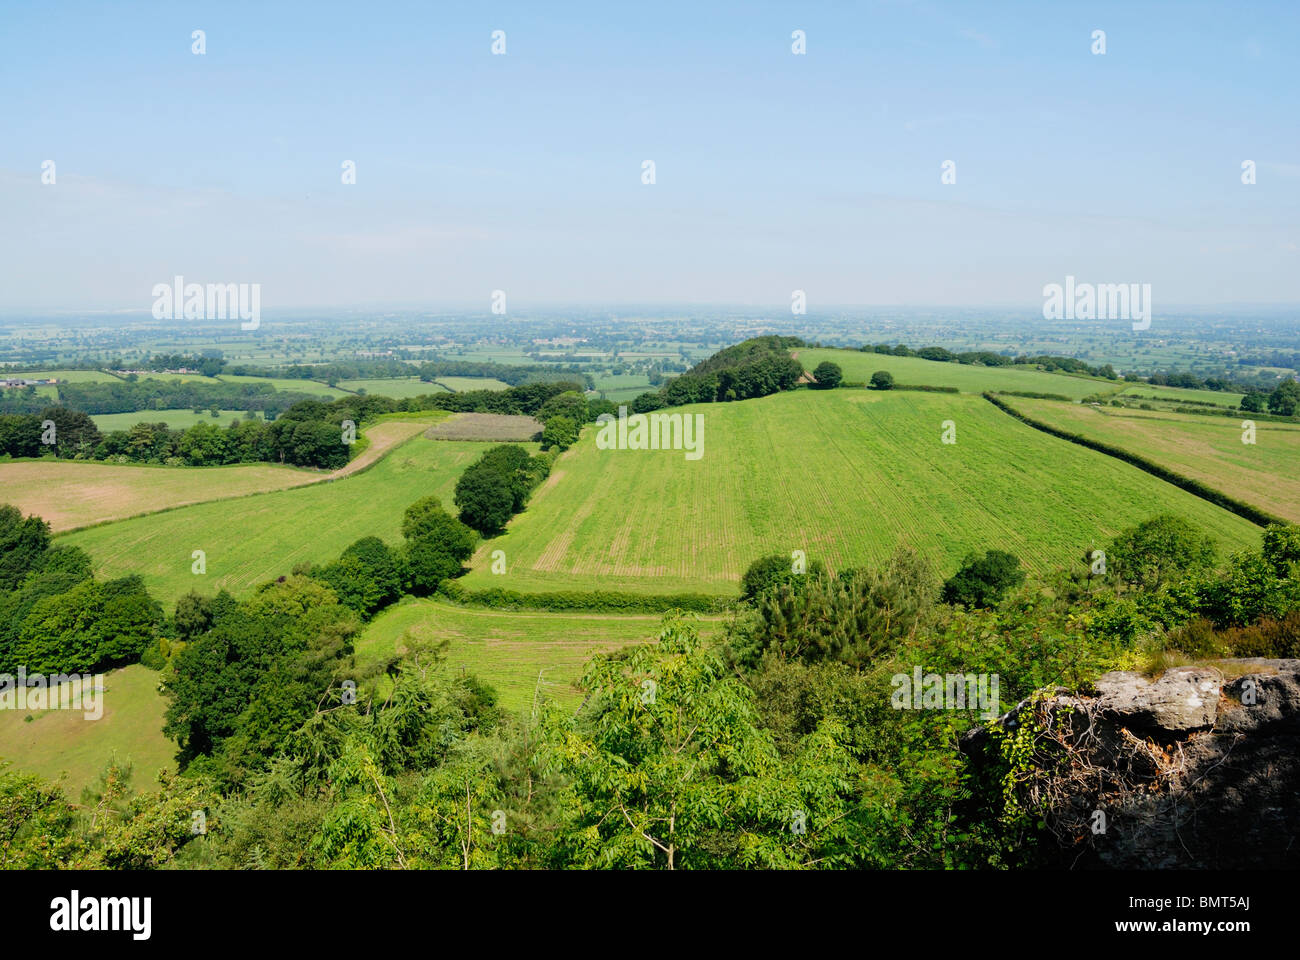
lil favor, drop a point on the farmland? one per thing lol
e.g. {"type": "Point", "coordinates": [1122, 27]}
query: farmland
{"type": "Point", "coordinates": [257, 538]}
{"type": "Point", "coordinates": [56, 742]}
{"type": "Point", "coordinates": [176, 419]}
{"type": "Point", "coordinates": [464, 384]}
{"type": "Point", "coordinates": [968, 378]}
{"type": "Point", "coordinates": [69, 376]}
{"type": "Point", "coordinates": [1146, 391]}
{"type": "Point", "coordinates": [497, 427]}
{"type": "Point", "coordinates": [399, 388]}
{"type": "Point", "coordinates": [844, 475]}
{"type": "Point", "coordinates": [289, 386]}
{"type": "Point", "coordinates": [1209, 449]}
{"type": "Point", "coordinates": [71, 494]}
{"type": "Point", "coordinates": [507, 648]}
{"type": "Point", "coordinates": [177, 377]}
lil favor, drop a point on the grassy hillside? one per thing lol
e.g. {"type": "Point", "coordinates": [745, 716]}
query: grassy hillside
{"type": "Point", "coordinates": [257, 538]}
{"type": "Point", "coordinates": [844, 475]}
{"type": "Point", "coordinates": [71, 494]}
{"type": "Point", "coordinates": [968, 378]}
{"type": "Point", "coordinates": [64, 741]}
{"type": "Point", "coordinates": [1143, 391]}
{"type": "Point", "coordinates": [507, 648]}
{"type": "Point", "coordinates": [1208, 449]}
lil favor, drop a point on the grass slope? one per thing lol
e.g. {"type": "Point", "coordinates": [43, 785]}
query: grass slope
{"type": "Point", "coordinates": [844, 475]}
{"type": "Point", "coordinates": [1208, 449]}
{"type": "Point", "coordinates": [968, 378]}
{"type": "Point", "coordinates": [1146, 391]}
{"type": "Point", "coordinates": [56, 742]}
{"type": "Point", "coordinates": [508, 648]}
{"type": "Point", "coordinates": [72, 494]}
{"type": "Point", "coordinates": [254, 539]}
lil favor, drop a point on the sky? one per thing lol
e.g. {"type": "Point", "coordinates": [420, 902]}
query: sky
{"type": "Point", "coordinates": [523, 172]}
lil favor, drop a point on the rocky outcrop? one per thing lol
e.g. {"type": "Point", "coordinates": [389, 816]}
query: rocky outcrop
{"type": "Point", "coordinates": [1196, 769]}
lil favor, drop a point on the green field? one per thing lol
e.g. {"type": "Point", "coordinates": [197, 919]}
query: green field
{"type": "Point", "coordinates": [623, 387]}
{"type": "Point", "coordinates": [463, 384]}
{"type": "Point", "coordinates": [294, 386]}
{"type": "Point", "coordinates": [506, 648]}
{"type": "Point", "coordinates": [968, 378]}
{"type": "Point", "coordinates": [1144, 391]}
{"type": "Point", "coordinates": [48, 391]}
{"type": "Point", "coordinates": [56, 742]}
{"type": "Point", "coordinates": [70, 376]}
{"type": "Point", "coordinates": [176, 419]}
{"type": "Point", "coordinates": [399, 388]}
{"type": "Point", "coordinates": [844, 475]}
{"type": "Point", "coordinates": [178, 377]}
{"type": "Point", "coordinates": [257, 538]}
{"type": "Point", "coordinates": [1205, 448]}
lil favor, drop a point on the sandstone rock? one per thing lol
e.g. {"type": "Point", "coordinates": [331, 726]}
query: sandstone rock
{"type": "Point", "coordinates": [1179, 701]}
{"type": "Point", "coordinates": [1192, 772]}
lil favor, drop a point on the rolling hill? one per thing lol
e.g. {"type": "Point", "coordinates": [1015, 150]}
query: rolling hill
{"type": "Point", "coordinates": [1205, 448]}
{"type": "Point", "coordinates": [844, 475]}
{"type": "Point", "coordinates": [257, 538]}
{"type": "Point", "coordinates": [968, 378]}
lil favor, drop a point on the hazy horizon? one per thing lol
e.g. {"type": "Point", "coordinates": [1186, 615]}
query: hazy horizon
{"type": "Point", "coordinates": [775, 171]}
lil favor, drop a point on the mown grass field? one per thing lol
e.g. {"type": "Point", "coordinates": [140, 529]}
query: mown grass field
{"type": "Point", "coordinates": [178, 377]}
{"type": "Point", "coordinates": [844, 475]}
{"type": "Point", "coordinates": [968, 378]}
{"type": "Point", "coordinates": [1205, 448]}
{"type": "Point", "coordinates": [1181, 395]}
{"type": "Point", "coordinates": [292, 386]}
{"type": "Point", "coordinates": [398, 387]}
{"type": "Point", "coordinates": [69, 376]}
{"type": "Point", "coordinates": [509, 649]}
{"type": "Point", "coordinates": [71, 494]}
{"type": "Point", "coordinates": [623, 387]}
{"type": "Point", "coordinates": [58, 742]}
{"type": "Point", "coordinates": [176, 419]}
{"type": "Point", "coordinates": [464, 384]}
{"type": "Point", "coordinates": [251, 540]}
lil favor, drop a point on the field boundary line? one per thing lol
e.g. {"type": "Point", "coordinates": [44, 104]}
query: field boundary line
{"type": "Point", "coordinates": [566, 601]}
{"type": "Point", "coordinates": [1246, 511]}
{"type": "Point", "coordinates": [328, 478]}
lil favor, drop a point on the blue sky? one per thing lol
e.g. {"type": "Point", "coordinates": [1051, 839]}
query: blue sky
{"type": "Point", "coordinates": [774, 172]}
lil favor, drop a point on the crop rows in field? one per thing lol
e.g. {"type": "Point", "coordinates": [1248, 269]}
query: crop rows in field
{"type": "Point", "coordinates": [1209, 449]}
{"type": "Point", "coordinates": [844, 475]}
